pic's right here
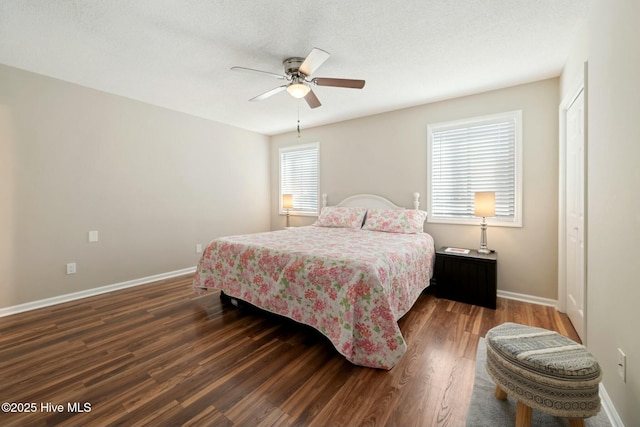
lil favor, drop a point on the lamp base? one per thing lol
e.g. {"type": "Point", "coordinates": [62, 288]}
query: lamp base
{"type": "Point", "coordinates": [483, 238]}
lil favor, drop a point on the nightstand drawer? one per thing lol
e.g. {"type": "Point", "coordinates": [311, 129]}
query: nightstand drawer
{"type": "Point", "coordinates": [471, 278]}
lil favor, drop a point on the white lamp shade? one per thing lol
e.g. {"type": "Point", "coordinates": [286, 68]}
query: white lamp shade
{"type": "Point", "coordinates": [485, 203]}
{"type": "Point", "coordinates": [298, 90]}
{"type": "Point", "coordinates": [287, 201]}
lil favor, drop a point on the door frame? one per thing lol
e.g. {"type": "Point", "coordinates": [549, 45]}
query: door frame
{"type": "Point", "coordinates": [578, 87]}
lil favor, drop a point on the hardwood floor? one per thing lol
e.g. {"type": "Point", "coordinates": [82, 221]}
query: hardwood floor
{"type": "Point", "coordinates": [158, 354]}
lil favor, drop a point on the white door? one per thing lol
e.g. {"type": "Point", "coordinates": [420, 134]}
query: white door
{"type": "Point", "coordinates": [575, 215]}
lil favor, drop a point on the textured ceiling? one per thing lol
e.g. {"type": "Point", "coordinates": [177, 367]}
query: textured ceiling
{"type": "Point", "coordinates": [178, 54]}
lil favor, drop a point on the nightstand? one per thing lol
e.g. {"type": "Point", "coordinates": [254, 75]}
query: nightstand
{"type": "Point", "coordinates": [471, 278]}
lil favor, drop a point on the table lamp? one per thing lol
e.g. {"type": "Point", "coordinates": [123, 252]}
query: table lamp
{"type": "Point", "coordinates": [287, 203]}
{"type": "Point", "coordinates": [484, 206]}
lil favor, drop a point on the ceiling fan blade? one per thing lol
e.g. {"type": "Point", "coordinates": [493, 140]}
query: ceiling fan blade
{"type": "Point", "coordinates": [269, 93]}
{"type": "Point", "coordinates": [251, 70]}
{"type": "Point", "coordinates": [313, 61]}
{"type": "Point", "coordinates": [349, 83]}
{"type": "Point", "coordinates": [312, 100]}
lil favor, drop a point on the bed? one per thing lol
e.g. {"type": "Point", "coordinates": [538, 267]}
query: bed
{"type": "Point", "coordinates": [351, 276]}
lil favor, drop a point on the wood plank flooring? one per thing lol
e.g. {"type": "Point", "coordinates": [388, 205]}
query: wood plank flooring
{"type": "Point", "coordinates": [160, 355]}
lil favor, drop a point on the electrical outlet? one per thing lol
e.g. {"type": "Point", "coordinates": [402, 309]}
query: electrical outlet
{"type": "Point", "coordinates": [622, 365]}
{"type": "Point", "coordinates": [198, 248]}
{"type": "Point", "coordinates": [71, 268]}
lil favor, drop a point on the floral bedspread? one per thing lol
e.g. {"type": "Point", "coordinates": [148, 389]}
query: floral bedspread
{"type": "Point", "coordinates": [352, 285]}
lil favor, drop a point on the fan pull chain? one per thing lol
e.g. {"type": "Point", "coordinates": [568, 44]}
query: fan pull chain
{"type": "Point", "coordinates": [298, 118]}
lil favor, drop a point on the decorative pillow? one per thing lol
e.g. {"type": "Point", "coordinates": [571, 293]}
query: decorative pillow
{"type": "Point", "coordinates": [343, 217]}
{"type": "Point", "coordinates": [407, 221]}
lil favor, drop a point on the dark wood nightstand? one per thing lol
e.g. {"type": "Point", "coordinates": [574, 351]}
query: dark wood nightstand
{"type": "Point", "coordinates": [470, 278]}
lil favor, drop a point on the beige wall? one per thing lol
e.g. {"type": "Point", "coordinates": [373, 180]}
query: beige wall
{"type": "Point", "coordinates": [613, 229]}
{"type": "Point", "coordinates": [387, 154]}
{"type": "Point", "coordinates": [153, 182]}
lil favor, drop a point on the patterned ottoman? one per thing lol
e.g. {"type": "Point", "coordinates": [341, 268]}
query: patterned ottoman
{"type": "Point", "coordinates": [543, 370]}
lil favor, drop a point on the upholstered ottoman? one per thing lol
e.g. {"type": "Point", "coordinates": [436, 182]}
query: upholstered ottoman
{"type": "Point", "coordinates": [543, 370]}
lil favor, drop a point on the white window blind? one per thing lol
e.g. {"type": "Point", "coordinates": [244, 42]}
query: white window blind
{"type": "Point", "coordinates": [299, 172]}
{"type": "Point", "coordinates": [480, 154]}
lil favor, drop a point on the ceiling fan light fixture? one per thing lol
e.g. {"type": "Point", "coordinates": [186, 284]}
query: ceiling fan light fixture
{"type": "Point", "coordinates": [298, 90]}
{"type": "Point", "coordinates": [297, 74]}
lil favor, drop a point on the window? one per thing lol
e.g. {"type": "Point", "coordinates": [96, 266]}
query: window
{"type": "Point", "coordinates": [299, 173]}
{"type": "Point", "coordinates": [478, 154]}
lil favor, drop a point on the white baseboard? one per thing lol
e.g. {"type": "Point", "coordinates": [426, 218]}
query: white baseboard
{"type": "Point", "coordinates": [7, 311]}
{"type": "Point", "coordinates": [607, 406]}
{"type": "Point", "coordinates": [528, 298]}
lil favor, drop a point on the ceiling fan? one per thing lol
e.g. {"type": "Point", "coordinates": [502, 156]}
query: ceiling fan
{"type": "Point", "coordinates": [298, 75]}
